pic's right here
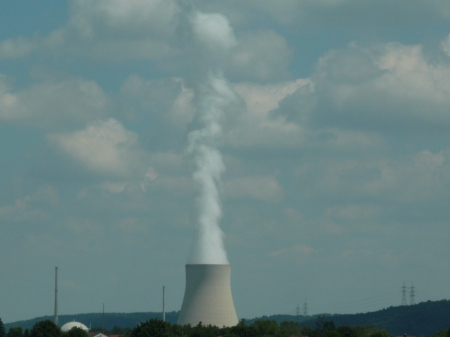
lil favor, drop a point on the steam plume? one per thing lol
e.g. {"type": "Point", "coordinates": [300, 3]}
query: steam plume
{"type": "Point", "coordinates": [215, 38]}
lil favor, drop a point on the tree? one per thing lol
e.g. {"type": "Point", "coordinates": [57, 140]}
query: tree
{"type": "Point", "coordinates": [45, 329]}
{"type": "Point", "coordinates": [76, 332]}
{"type": "Point", "coordinates": [331, 333]}
{"type": "Point", "coordinates": [117, 330]}
{"type": "Point", "coordinates": [346, 331]}
{"type": "Point", "coordinates": [101, 330]}
{"type": "Point", "coordinates": [290, 328]}
{"type": "Point", "coordinates": [26, 333]}
{"type": "Point", "coordinates": [151, 328]}
{"type": "Point", "coordinates": [266, 327]}
{"type": "Point", "coordinates": [241, 330]}
{"type": "Point", "coordinates": [2, 329]}
{"type": "Point", "coordinates": [308, 331]}
{"type": "Point", "coordinates": [324, 327]}
{"type": "Point", "coordinates": [15, 332]}
{"type": "Point", "coordinates": [381, 333]}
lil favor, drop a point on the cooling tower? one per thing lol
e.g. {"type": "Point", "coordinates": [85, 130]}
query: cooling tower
{"type": "Point", "coordinates": [207, 297]}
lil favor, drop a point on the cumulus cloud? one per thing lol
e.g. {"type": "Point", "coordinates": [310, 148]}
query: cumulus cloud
{"type": "Point", "coordinates": [114, 30]}
{"type": "Point", "coordinates": [445, 45]}
{"type": "Point", "coordinates": [256, 126]}
{"type": "Point", "coordinates": [134, 18]}
{"type": "Point", "coordinates": [352, 13]}
{"type": "Point", "coordinates": [165, 106]}
{"type": "Point", "coordinates": [331, 13]}
{"type": "Point", "coordinates": [261, 56]}
{"type": "Point", "coordinates": [343, 159]}
{"type": "Point", "coordinates": [389, 87]}
{"type": "Point", "coordinates": [103, 146]}
{"type": "Point", "coordinates": [53, 104]}
{"type": "Point", "coordinates": [32, 207]}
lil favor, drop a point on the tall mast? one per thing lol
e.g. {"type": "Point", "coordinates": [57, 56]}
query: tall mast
{"type": "Point", "coordinates": [164, 305]}
{"type": "Point", "coordinates": [56, 295]}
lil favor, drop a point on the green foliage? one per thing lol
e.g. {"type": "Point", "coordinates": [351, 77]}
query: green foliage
{"type": "Point", "coordinates": [151, 328]}
{"type": "Point", "coordinates": [242, 330]}
{"type": "Point", "coordinates": [266, 328]}
{"type": "Point", "coordinates": [100, 330]}
{"type": "Point", "coordinates": [45, 329]}
{"type": "Point", "coordinates": [26, 333]}
{"type": "Point", "coordinates": [324, 327]}
{"type": "Point", "coordinates": [290, 328]}
{"type": "Point", "coordinates": [15, 332]}
{"type": "Point", "coordinates": [2, 329]}
{"type": "Point", "coordinates": [442, 333]}
{"type": "Point", "coordinates": [75, 332]}
{"type": "Point", "coordinates": [307, 331]}
{"type": "Point", "coordinates": [346, 331]}
{"type": "Point", "coordinates": [117, 330]}
{"type": "Point", "coordinates": [331, 333]}
{"type": "Point", "coordinates": [426, 319]}
{"type": "Point", "coordinates": [380, 333]}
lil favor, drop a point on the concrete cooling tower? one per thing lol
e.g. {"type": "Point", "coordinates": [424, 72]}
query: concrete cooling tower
{"type": "Point", "coordinates": [207, 297]}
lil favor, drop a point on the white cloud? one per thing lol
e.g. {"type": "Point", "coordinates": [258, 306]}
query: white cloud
{"type": "Point", "coordinates": [103, 146]}
{"type": "Point", "coordinates": [261, 99]}
{"type": "Point", "coordinates": [256, 127]}
{"type": "Point", "coordinates": [423, 176]}
{"type": "Point", "coordinates": [383, 89]}
{"type": "Point", "coordinates": [353, 13]}
{"type": "Point", "coordinates": [446, 45]}
{"type": "Point", "coordinates": [32, 207]}
{"type": "Point", "coordinates": [114, 30]}
{"type": "Point", "coordinates": [167, 101]}
{"type": "Point", "coordinates": [55, 104]}
{"type": "Point", "coordinates": [261, 56]}
{"type": "Point", "coordinates": [120, 18]}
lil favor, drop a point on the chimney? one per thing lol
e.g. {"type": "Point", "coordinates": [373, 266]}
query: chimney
{"type": "Point", "coordinates": [207, 297]}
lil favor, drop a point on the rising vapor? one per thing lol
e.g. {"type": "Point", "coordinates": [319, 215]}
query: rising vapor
{"type": "Point", "coordinates": [215, 39]}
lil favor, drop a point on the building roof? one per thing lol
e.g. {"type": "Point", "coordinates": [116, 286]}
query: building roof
{"type": "Point", "coordinates": [66, 327]}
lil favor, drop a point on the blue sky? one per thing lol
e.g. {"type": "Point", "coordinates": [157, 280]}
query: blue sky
{"type": "Point", "coordinates": [336, 150]}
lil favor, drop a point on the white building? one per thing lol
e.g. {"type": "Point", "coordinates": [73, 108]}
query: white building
{"type": "Point", "coordinates": [66, 327]}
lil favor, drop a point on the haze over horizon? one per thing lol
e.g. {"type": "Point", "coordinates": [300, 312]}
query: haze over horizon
{"type": "Point", "coordinates": [335, 151]}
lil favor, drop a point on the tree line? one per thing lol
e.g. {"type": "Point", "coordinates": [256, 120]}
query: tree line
{"type": "Point", "coordinates": [259, 328]}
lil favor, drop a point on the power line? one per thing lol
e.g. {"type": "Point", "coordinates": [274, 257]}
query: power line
{"type": "Point", "coordinates": [412, 294]}
{"type": "Point", "coordinates": [404, 294]}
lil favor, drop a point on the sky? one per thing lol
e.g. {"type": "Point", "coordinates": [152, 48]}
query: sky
{"type": "Point", "coordinates": [334, 141]}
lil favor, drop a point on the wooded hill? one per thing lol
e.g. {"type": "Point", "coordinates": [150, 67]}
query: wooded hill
{"type": "Point", "coordinates": [424, 318]}
{"type": "Point", "coordinates": [124, 320]}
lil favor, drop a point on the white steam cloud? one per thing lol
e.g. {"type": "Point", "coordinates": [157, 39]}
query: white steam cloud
{"type": "Point", "coordinates": [215, 39]}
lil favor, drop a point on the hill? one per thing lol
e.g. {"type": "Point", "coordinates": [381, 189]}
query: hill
{"type": "Point", "coordinates": [424, 318]}
{"type": "Point", "coordinates": [96, 319]}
